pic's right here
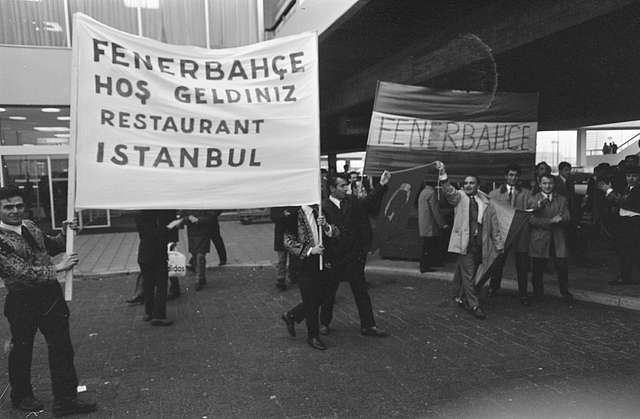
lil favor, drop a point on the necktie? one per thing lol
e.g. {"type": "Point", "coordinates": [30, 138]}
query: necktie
{"type": "Point", "coordinates": [511, 195]}
{"type": "Point", "coordinates": [473, 216]}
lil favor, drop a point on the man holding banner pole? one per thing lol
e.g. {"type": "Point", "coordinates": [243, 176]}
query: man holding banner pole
{"type": "Point", "coordinates": [469, 205]}
{"type": "Point", "coordinates": [349, 254]}
{"type": "Point", "coordinates": [35, 301]}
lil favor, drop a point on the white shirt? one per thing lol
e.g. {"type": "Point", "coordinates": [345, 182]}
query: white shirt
{"type": "Point", "coordinates": [311, 219]}
{"type": "Point", "coordinates": [548, 196]}
{"type": "Point", "coordinates": [16, 229]}
{"type": "Point", "coordinates": [335, 201]}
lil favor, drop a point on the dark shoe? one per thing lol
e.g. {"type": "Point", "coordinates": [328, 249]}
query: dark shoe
{"type": "Point", "coordinates": [72, 407]}
{"type": "Point", "coordinates": [222, 263]}
{"type": "Point", "coordinates": [316, 343]}
{"type": "Point", "coordinates": [281, 286]}
{"type": "Point", "coordinates": [478, 313]}
{"type": "Point", "coordinates": [138, 299]}
{"type": "Point", "coordinates": [291, 324]}
{"type": "Point", "coordinates": [374, 331]}
{"type": "Point", "coordinates": [324, 330]}
{"type": "Point", "coordinates": [161, 322]}
{"type": "Point", "coordinates": [28, 404]}
{"type": "Point", "coordinates": [525, 301]}
{"type": "Point", "coordinates": [147, 318]}
{"type": "Point", "coordinates": [459, 302]}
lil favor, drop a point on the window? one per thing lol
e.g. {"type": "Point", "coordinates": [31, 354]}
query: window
{"type": "Point", "coordinates": [29, 22]}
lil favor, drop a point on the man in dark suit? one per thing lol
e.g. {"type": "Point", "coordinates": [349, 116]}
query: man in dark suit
{"type": "Point", "coordinates": [627, 229]}
{"type": "Point", "coordinates": [548, 236]}
{"type": "Point", "coordinates": [156, 228]}
{"type": "Point", "coordinates": [430, 226]}
{"type": "Point", "coordinates": [349, 253]}
{"type": "Point", "coordinates": [512, 195]}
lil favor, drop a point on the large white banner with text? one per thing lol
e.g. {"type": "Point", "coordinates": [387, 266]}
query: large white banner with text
{"type": "Point", "coordinates": [167, 126]}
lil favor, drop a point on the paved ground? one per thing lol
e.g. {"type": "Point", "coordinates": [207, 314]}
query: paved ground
{"type": "Point", "coordinates": [228, 355]}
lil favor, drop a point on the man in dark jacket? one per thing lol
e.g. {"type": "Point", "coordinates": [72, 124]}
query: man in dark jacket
{"type": "Point", "coordinates": [349, 253]}
{"type": "Point", "coordinates": [156, 228]}
{"type": "Point", "coordinates": [35, 301]}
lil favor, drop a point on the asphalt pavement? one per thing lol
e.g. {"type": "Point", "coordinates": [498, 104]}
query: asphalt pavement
{"type": "Point", "coordinates": [228, 355]}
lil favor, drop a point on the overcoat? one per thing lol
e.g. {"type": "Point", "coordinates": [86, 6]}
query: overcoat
{"type": "Point", "coordinates": [543, 232]}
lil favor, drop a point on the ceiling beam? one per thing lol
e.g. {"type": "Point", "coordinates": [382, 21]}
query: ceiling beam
{"type": "Point", "coordinates": [504, 26]}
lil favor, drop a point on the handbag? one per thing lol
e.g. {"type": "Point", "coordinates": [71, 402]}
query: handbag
{"type": "Point", "coordinates": [177, 262]}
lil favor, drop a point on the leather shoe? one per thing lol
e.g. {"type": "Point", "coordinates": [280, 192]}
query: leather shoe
{"type": "Point", "coordinates": [324, 330]}
{"type": "Point", "coordinates": [72, 407]}
{"type": "Point", "coordinates": [525, 301]}
{"type": "Point", "coordinates": [28, 404]}
{"type": "Point", "coordinates": [138, 299]}
{"type": "Point", "coordinates": [291, 324]}
{"type": "Point", "coordinates": [161, 322]}
{"type": "Point", "coordinates": [222, 263]}
{"type": "Point", "coordinates": [478, 313]}
{"type": "Point", "coordinates": [374, 331]}
{"type": "Point", "coordinates": [316, 343]}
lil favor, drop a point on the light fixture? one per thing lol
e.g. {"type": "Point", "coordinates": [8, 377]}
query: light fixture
{"type": "Point", "coordinates": [2, 110]}
{"type": "Point", "coordinates": [50, 110]}
{"type": "Point", "coordinates": [63, 118]}
{"type": "Point", "coordinates": [61, 135]}
{"type": "Point", "coordinates": [51, 129]}
{"type": "Point", "coordinates": [18, 118]}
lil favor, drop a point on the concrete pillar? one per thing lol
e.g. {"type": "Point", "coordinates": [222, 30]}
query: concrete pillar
{"type": "Point", "coordinates": [581, 148]}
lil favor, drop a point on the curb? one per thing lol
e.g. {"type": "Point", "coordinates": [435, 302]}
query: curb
{"type": "Point", "coordinates": [629, 303]}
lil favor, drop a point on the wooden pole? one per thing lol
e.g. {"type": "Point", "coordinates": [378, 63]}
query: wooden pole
{"type": "Point", "coordinates": [71, 186]}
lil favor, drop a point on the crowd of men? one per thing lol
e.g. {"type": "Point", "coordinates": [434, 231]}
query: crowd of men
{"type": "Point", "coordinates": [329, 244]}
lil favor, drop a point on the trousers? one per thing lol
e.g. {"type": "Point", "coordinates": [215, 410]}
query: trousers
{"type": "Point", "coordinates": [43, 309]}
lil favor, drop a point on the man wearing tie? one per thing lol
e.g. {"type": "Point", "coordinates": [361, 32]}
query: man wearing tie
{"type": "Point", "coordinates": [469, 205]}
{"type": "Point", "coordinates": [548, 236]}
{"type": "Point", "coordinates": [512, 195]}
{"type": "Point", "coordinates": [349, 252]}
{"type": "Point", "coordinates": [628, 227]}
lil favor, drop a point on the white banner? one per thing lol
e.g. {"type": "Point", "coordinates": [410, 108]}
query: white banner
{"type": "Point", "coordinates": [166, 126]}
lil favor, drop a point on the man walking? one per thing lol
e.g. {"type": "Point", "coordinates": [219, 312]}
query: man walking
{"type": "Point", "coordinates": [35, 301]}
{"type": "Point", "coordinates": [349, 253]}
{"type": "Point", "coordinates": [303, 242]}
{"type": "Point", "coordinates": [469, 205]}
{"type": "Point", "coordinates": [512, 195]}
{"type": "Point", "coordinates": [548, 236]}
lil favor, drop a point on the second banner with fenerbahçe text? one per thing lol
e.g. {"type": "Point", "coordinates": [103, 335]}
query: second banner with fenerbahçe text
{"type": "Point", "coordinates": [164, 126]}
{"type": "Point", "coordinates": [471, 132]}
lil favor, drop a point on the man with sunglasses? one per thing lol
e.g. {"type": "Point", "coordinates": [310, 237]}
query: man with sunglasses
{"type": "Point", "coordinates": [35, 301]}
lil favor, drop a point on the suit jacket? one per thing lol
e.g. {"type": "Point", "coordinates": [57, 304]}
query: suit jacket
{"type": "Point", "coordinates": [543, 232]}
{"type": "Point", "coordinates": [352, 219]}
{"type": "Point", "coordinates": [280, 224]}
{"type": "Point", "coordinates": [628, 199]}
{"type": "Point", "coordinates": [459, 240]}
{"type": "Point", "coordinates": [298, 241]}
{"type": "Point", "coordinates": [520, 201]}
{"type": "Point", "coordinates": [154, 234]}
{"type": "Point", "coordinates": [430, 221]}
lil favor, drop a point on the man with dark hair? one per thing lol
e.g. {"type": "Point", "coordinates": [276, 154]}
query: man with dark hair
{"type": "Point", "coordinates": [349, 251]}
{"type": "Point", "coordinates": [627, 229]}
{"type": "Point", "coordinates": [548, 236]}
{"type": "Point", "coordinates": [35, 301]}
{"type": "Point", "coordinates": [512, 195]}
{"type": "Point", "coordinates": [469, 205]}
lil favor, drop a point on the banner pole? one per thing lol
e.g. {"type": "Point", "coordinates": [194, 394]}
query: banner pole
{"type": "Point", "coordinates": [71, 185]}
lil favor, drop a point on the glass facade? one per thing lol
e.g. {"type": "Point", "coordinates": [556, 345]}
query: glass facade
{"type": "Point", "coordinates": [204, 23]}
